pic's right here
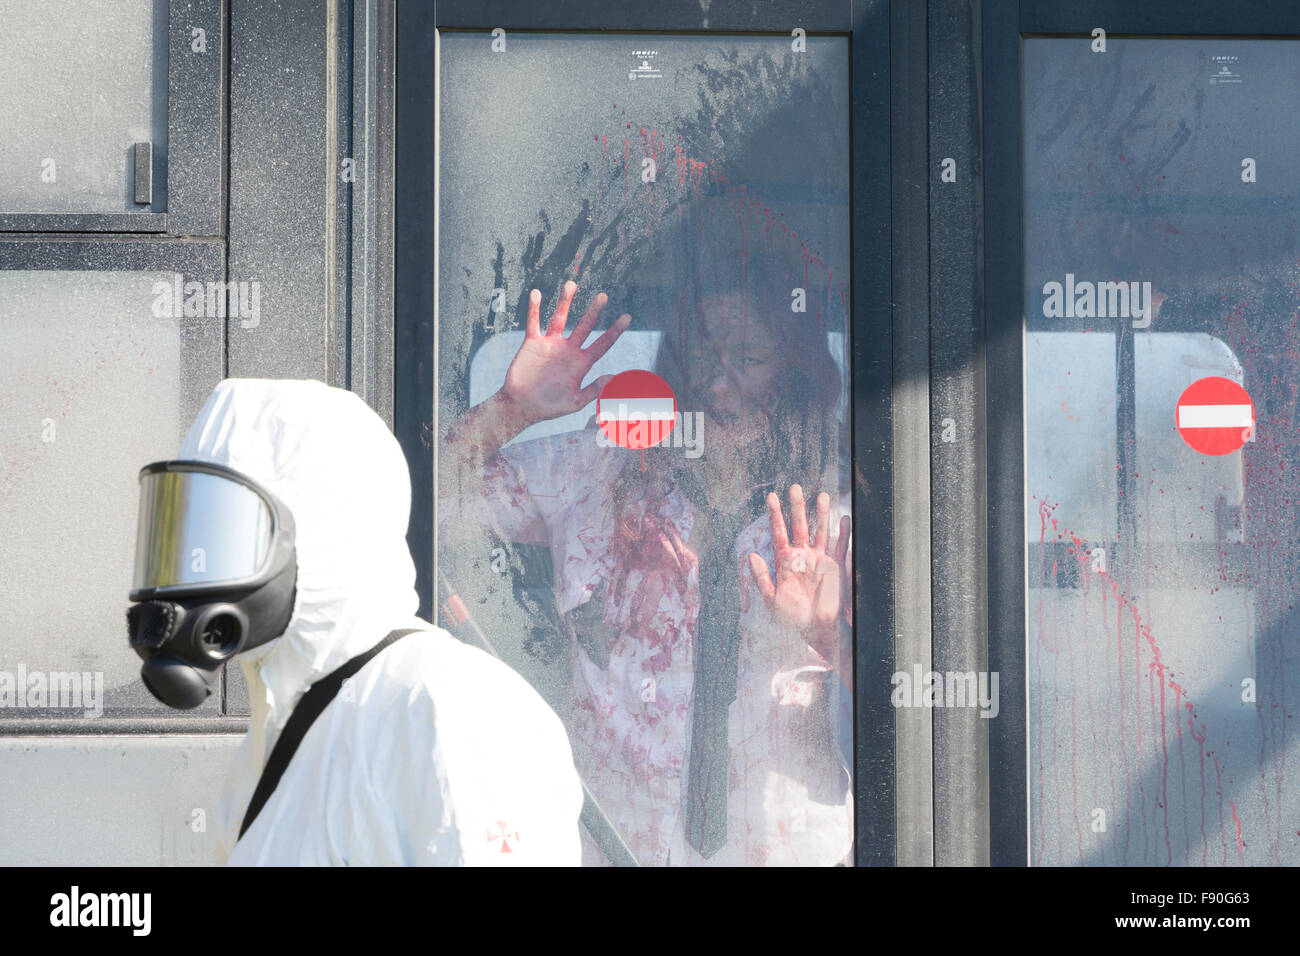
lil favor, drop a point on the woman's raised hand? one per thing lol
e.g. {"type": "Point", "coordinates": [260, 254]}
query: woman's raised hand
{"type": "Point", "coordinates": [545, 378]}
{"type": "Point", "coordinates": [808, 590]}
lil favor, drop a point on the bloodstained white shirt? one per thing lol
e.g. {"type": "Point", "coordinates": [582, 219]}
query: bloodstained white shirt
{"type": "Point", "coordinates": [630, 614]}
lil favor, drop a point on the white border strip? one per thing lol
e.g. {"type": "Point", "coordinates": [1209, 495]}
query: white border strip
{"type": "Point", "coordinates": [1215, 416]}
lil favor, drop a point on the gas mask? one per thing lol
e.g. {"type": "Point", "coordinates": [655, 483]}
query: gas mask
{"type": "Point", "coordinates": [215, 570]}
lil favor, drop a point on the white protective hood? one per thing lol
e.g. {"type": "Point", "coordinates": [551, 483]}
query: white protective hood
{"type": "Point", "coordinates": [332, 461]}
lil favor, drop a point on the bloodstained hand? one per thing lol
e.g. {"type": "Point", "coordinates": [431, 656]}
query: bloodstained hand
{"type": "Point", "coordinates": [544, 380]}
{"type": "Point", "coordinates": [808, 590]}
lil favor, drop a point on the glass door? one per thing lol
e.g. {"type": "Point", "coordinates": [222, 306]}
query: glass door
{"type": "Point", "coordinates": [1162, 445]}
{"type": "Point", "coordinates": [643, 308]}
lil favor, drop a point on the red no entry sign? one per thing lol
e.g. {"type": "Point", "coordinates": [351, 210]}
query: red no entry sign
{"type": "Point", "coordinates": [636, 409]}
{"type": "Point", "coordinates": [1215, 416]}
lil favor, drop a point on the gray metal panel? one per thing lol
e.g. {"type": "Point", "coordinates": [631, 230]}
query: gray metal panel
{"type": "Point", "coordinates": [234, 691]}
{"type": "Point", "coordinates": [338, 144]}
{"type": "Point", "coordinates": [371, 203]}
{"type": "Point", "coordinates": [1003, 272]}
{"type": "Point", "coordinates": [911, 284]}
{"type": "Point", "coordinates": [84, 222]}
{"type": "Point", "coordinates": [118, 726]}
{"type": "Point", "coordinates": [120, 801]}
{"type": "Point", "coordinates": [279, 194]}
{"type": "Point", "coordinates": [814, 16]}
{"type": "Point", "coordinates": [142, 190]}
{"type": "Point", "coordinates": [414, 359]}
{"type": "Point", "coordinates": [872, 377]}
{"type": "Point", "coordinates": [957, 476]}
{"type": "Point", "coordinates": [194, 169]}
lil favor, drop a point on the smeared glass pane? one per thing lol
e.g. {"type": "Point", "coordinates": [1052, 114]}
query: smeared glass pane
{"type": "Point", "coordinates": [701, 183]}
{"type": "Point", "coordinates": [81, 82]}
{"type": "Point", "coordinates": [1161, 251]}
{"type": "Point", "coordinates": [91, 391]}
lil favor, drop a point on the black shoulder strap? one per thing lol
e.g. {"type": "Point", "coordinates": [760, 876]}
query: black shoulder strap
{"type": "Point", "coordinates": [304, 715]}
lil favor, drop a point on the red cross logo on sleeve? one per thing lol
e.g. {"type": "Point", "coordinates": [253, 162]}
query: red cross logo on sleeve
{"type": "Point", "coordinates": [505, 836]}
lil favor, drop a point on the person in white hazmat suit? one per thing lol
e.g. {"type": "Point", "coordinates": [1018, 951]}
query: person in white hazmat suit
{"type": "Point", "coordinates": [280, 536]}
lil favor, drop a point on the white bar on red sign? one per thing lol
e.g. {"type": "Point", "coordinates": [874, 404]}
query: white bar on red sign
{"type": "Point", "coordinates": [1215, 416]}
{"type": "Point", "coordinates": [634, 409]}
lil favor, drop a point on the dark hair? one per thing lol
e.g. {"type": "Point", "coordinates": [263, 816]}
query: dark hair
{"type": "Point", "coordinates": [715, 259]}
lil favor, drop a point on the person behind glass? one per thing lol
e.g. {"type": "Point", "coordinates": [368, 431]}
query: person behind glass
{"type": "Point", "coordinates": [710, 642]}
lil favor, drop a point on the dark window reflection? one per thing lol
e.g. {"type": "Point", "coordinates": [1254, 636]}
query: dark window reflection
{"type": "Point", "coordinates": [1164, 669]}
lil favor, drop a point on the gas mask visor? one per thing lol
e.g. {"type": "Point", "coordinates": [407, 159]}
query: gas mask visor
{"type": "Point", "coordinates": [215, 570]}
{"type": "Point", "coordinates": [201, 526]}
